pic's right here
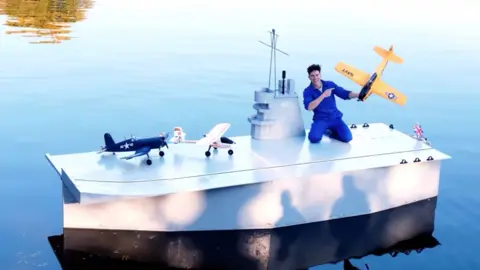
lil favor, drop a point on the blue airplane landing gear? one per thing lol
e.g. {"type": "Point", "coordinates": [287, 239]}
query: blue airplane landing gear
{"type": "Point", "coordinates": [149, 161]}
{"type": "Point", "coordinates": [164, 144]}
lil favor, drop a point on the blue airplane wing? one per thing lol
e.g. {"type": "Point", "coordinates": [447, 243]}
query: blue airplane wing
{"type": "Point", "coordinates": [140, 152]}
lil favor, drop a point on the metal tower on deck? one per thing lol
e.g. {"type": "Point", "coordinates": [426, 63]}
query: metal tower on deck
{"type": "Point", "coordinates": [273, 58]}
{"type": "Point", "coordinates": [278, 111]}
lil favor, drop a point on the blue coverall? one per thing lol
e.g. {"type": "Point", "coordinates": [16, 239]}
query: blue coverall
{"type": "Point", "coordinates": [326, 115]}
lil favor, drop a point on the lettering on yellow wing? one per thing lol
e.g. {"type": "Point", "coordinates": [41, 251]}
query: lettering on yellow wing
{"type": "Point", "coordinates": [348, 72]}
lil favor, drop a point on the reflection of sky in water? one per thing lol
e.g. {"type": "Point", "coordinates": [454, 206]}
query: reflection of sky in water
{"type": "Point", "coordinates": [146, 47]}
{"type": "Point", "coordinates": [309, 31]}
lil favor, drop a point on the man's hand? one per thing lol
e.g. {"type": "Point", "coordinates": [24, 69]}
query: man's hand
{"type": "Point", "coordinates": [319, 99]}
{"type": "Point", "coordinates": [327, 92]}
{"type": "Point", "coordinates": [353, 95]}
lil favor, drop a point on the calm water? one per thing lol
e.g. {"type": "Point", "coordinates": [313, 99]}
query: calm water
{"type": "Point", "coordinates": [143, 67]}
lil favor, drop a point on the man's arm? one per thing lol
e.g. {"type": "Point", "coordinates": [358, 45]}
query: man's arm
{"type": "Point", "coordinates": [343, 93]}
{"type": "Point", "coordinates": [314, 104]}
{"type": "Point", "coordinates": [309, 103]}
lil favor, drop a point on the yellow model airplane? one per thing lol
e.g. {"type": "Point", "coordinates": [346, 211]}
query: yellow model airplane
{"type": "Point", "coordinates": [373, 84]}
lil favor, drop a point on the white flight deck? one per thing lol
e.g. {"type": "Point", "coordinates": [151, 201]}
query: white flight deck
{"type": "Point", "coordinates": [93, 177]}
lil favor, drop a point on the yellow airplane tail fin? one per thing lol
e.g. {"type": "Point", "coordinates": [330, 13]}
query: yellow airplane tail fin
{"type": "Point", "coordinates": [388, 54]}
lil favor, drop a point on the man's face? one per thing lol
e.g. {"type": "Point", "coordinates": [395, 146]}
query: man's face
{"type": "Point", "coordinates": [314, 77]}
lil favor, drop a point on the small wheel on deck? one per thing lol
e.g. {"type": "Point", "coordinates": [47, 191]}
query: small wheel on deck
{"type": "Point", "coordinates": [207, 154]}
{"type": "Point", "coordinates": [149, 162]}
{"type": "Point", "coordinates": [230, 152]}
{"type": "Point", "coordinates": [161, 153]}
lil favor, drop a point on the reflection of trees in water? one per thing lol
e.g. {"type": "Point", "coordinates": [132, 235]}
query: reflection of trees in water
{"type": "Point", "coordinates": [45, 18]}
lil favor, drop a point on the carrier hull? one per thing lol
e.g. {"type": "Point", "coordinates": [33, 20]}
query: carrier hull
{"type": "Point", "coordinates": [406, 229]}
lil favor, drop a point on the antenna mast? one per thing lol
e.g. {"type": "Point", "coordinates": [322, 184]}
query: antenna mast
{"type": "Point", "coordinates": [273, 57]}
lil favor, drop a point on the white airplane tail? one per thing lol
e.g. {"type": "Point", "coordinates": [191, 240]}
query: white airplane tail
{"type": "Point", "coordinates": [178, 135]}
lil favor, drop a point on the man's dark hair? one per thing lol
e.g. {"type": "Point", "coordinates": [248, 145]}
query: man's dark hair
{"type": "Point", "coordinates": [314, 67]}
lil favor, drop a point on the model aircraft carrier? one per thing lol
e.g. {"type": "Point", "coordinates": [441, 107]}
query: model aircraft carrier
{"type": "Point", "coordinates": [275, 178]}
{"type": "Point", "coordinates": [382, 164]}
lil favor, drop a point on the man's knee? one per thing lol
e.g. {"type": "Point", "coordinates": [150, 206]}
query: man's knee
{"type": "Point", "coordinates": [314, 138]}
{"type": "Point", "coordinates": [345, 135]}
{"type": "Point", "coordinates": [342, 132]}
{"type": "Point", "coordinates": [317, 130]}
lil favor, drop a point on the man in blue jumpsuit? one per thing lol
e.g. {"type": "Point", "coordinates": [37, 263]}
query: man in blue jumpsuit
{"type": "Point", "coordinates": [319, 97]}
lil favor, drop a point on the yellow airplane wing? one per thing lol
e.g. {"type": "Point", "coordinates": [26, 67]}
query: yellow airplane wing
{"type": "Point", "coordinates": [354, 74]}
{"type": "Point", "coordinates": [387, 92]}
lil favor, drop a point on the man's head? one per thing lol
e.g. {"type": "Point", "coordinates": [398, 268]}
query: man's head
{"type": "Point", "coordinates": [314, 74]}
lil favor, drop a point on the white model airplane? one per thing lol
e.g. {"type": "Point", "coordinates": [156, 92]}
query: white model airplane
{"type": "Point", "coordinates": [213, 138]}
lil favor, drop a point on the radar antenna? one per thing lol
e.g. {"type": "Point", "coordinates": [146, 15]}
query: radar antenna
{"type": "Point", "coordinates": [273, 56]}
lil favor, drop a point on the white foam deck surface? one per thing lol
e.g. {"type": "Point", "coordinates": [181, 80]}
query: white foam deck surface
{"type": "Point", "coordinates": [185, 167]}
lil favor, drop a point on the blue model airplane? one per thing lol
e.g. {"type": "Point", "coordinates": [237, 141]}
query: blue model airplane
{"type": "Point", "coordinates": [140, 146]}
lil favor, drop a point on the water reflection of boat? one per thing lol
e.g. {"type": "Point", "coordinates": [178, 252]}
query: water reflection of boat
{"type": "Point", "coordinates": [406, 247]}
{"type": "Point", "coordinates": [406, 229]}
{"type": "Point", "coordinates": [43, 18]}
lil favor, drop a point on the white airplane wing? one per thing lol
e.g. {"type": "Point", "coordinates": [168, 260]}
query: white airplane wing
{"type": "Point", "coordinates": [214, 134]}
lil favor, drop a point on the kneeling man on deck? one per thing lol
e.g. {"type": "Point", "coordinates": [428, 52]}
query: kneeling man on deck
{"type": "Point", "coordinates": [317, 97]}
